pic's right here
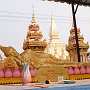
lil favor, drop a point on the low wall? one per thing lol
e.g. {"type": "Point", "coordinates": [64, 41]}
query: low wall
{"type": "Point", "coordinates": [50, 72]}
{"type": "Point", "coordinates": [10, 81]}
{"type": "Point", "coordinates": [79, 77]}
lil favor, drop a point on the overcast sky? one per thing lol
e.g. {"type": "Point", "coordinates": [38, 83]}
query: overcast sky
{"type": "Point", "coordinates": [15, 16]}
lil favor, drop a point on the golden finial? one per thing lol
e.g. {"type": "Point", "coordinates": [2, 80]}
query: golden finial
{"type": "Point", "coordinates": [53, 26]}
{"type": "Point", "coordinates": [33, 15]}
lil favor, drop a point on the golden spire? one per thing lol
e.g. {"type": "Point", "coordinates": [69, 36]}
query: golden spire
{"type": "Point", "coordinates": [34, 37]}
{"type": "Point", "coordinates": [33, 16]}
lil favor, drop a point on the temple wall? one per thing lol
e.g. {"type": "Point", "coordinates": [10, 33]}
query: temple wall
{"type": "Point", "coordinates": [57, 72]}
{"type": "Point", "coordinates": [50, 73]}
{"type": "Point", "coordinates": [11, 80]}
{"type": "Point", "coordinates": [70, 71]}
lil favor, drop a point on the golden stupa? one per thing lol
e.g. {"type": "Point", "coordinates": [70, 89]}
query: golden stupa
{"type": "Point", "coordinates": [43, 66]}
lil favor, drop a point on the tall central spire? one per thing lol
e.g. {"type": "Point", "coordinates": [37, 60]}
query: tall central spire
{"type": "Point", "coordinates": [53, 33]}
{"type": "Point", "coordinates": [53, 24]}
{"type": "Point", "coordinates": [55, 47]}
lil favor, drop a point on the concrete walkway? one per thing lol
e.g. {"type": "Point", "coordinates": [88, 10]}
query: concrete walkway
{"type": "Point", "coordinates": [31, 86]}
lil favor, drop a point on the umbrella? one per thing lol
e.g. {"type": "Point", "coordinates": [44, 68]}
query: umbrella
{"type": "Point", "coordinates": [79, 2]}
{"type": "Point", "coordinates": [74, 10]}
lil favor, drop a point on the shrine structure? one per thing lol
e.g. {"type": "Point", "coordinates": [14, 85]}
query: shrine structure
{"type": "Point", "coordinates": [34, 37]}
{"type": "Point", "coordinates": [71, 47]}
{"type": "Point", "coordinates": [42, 66]}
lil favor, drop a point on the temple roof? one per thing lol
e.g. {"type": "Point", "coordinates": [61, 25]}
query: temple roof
{"type": "Point", "coordinates": [35, 59]}
{"type": "Point", "coordinates": [38, 58]}
{"type": "Point", "coordinates": [34, 39]}
{"type": "Point", "coordinates": [72, 41]}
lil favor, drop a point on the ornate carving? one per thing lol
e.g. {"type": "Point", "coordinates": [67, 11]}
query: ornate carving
{"type": "Point", "coordinates": [34, 36]}
{"type": "Point", "coordinates": [34, 59]}
{"type": "Point", "coordinates": [71, 47]}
